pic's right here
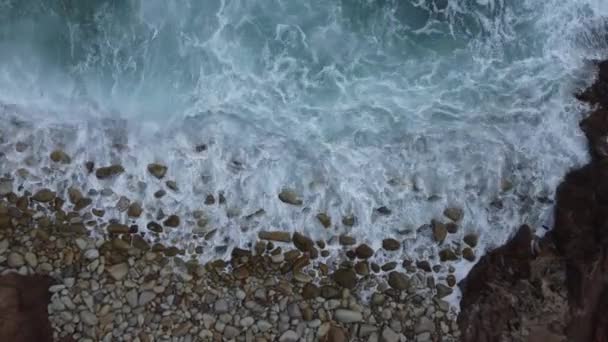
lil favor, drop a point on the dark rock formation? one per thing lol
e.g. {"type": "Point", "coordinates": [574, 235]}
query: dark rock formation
{"type": "Point", "coordinates": [23, 308]}
{"type": "Point", "coordinates": [558, 294]}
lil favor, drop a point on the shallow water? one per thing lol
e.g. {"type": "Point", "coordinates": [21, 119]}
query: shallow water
{"type": "Point", "coordinates": [413, 105]}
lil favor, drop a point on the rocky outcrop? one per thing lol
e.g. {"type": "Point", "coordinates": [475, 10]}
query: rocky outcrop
{"type": "Point", "coordinates": [558, 293]}
{"type": "Point", "coordinates": [23, 308]}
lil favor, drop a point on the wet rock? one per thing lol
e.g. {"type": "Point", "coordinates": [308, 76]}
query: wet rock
{"type": "Point", "coordinates": [471, 240]}
{"type": "Point", "coordinates": [385, 211]}
{"type": "Point", "coordinates": [345, 278]}
{"type": "Point", "coordinates": [58, 156]}
{"type": "Point", "coordinates": [443, 291]}
{"type": "Point", "coordinates": [157, 170]}
{"type": "Point", "coordinates": [89, 166]}
{"type": "Point", "coordinates": [109, 171]}
{"type": "Point", "coordinates": [310, 291]}
{"type": "Point", "coordinates": [330, 292]}
{"type": "Point", "coordinates": [454, 214]}
{"type": "Point", "coordinates": [278, 236]}
{"type": "Point", "coordinates": [172, 221]}
{"type": "Point", "coordinates": [6, 186]}
{"type": "Point", "coordinates": [451, 227]}
{"type": "Point", "coordinates": [123, 204]}
{"type": "Point", "coordinates": [98, 212]}
{"type": "Point", "coordinates": [74, 195]}
{"type": "Point", "coordinates": [155, 227]}
{"type": "Point", "coordinates": [424, 265]}
{"type": "Point", "coordinates": [160, 193]}
{"type": "Point", "coordinates": [324, 219]}
{"type": "Point", "coordinates": [389, 266]}
{"type": "Point", "coordinates": [451, 280]}
{"type": "Point", "coordinates": [172, 185]}
{"type": "Point", "coordinates": [349, 220]}
{"type": "Point", "coordinates": [346, 240]}
{"type": "Point", "coordinates": [302, 242]}
{"type": "Point", "coordinates": [209, 200]}
{"type": "Point", "coordinates": [439, 231]}
{"type": "Point", "coordinates": [362, 268]}
{"type": "Point", "coordinates": [468, 254]}
{"type": "Point", "coordinates": [447, 255]}
{"type": "Point", "coordinates": [44, 196]}
{"type": "Point", "coordinates": [135, 210]}
{"type": "Point", "coordinates": [391, 244]}
{"type": "Point", "coordinates": [398, 281]}
{"type": "Point", "coordinates": [290, 197]}
{"type": "Point", "coordinates": [117, 228]}
{"type": "Point", "coordinates": [364, 251]}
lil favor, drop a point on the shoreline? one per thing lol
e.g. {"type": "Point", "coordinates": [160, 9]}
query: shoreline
{"type": "Point", "coordinates": [98, 282]}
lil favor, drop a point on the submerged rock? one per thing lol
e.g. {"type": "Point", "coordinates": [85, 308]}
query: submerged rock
{"type": "Point", "coordinates": [440, 232]}
{"type": "Point", "coordinates": [385, 211]}
{"type": "Point", "coordinates": [157, 170]}
{"type": "Point", "coordinates": [454, 214]}
{"type": "Point", "coordinates": [44, 195]}
{"type": "Point", "coordinates": [391, 244]}
{"type": "Point", "coordinates": [290, 197]}
{"type": "Point", "coordinates": [349, 220]}
{"type": "Point", "coordinates": [172, 221]}
{"type": "Point", "coordinates": [471, 240]}
{"type": "Point", "coordinates": [398, 281]}
{"type": "Point", "coordinates": [364, 251]}
{"type": "Point", "coordinates": [58, 156]}
{"type": "Point", "coordinates": [275, 236]}
{"type": "Point", "coordinates": [109, 171]}
{"type": "Point", "coordinates": [468, 254]}
{"type": "Point", "coordinates": [135, 210]}
{"type": "Point", "coordinates": [346, 240]}
{"type": "Point", "coordinates": [345, 278]}
{"type": "Point", "coordinates": [324, 219]}
{"type": "Point", "coordinates": [303, 243]}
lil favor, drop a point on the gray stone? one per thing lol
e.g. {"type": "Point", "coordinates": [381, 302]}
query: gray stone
{"type": "Point", "coordinates": [118, 271]}
{"type": "Point", "coordinates": [221, 306]}
{"type": "Point", "coordinates": [31, 259]}
{"type": "Point", "coordinates": [146, 297]}
{"type": "Point", "coordinates": [347, 316]}
{"type": "Point", "coordinates": [15, 260]}
{"type": "Point", "coordinates": [388, 335]}
{"type": "Point", "coordinates": [424, 325]}
{"type": "Point", "coordinates": [91, 254]}
{"type": "Point", "coordinates": [88, 318]}
{"type": "Point", "coordinates": [230, 332]}
{"type": "Point", "coordinates": [132, 298]}
{"type": "Point", "coordinates": [289, 336]}
{"type": "Point", "coordinates": [294, 311]}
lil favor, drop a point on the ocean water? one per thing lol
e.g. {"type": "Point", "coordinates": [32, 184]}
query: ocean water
{"type": "Point", "coordinates": [415, 105]}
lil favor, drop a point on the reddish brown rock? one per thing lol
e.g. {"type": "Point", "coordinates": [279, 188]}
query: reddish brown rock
{"type": "Point", "coordinates": [23, 308]}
